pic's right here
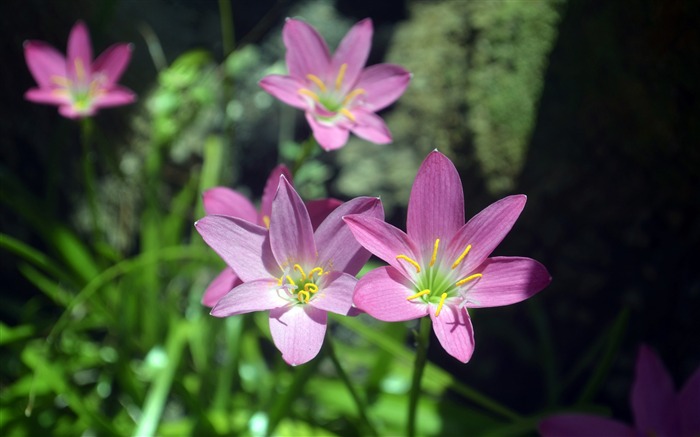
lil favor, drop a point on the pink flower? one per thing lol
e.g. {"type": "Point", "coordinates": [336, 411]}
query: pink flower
{"type": "Point", "coordinates": [78, 85]}
{"type": "Point", "coordinates": [225, 201]}
{"type": "Point", "coordinates": [296, 273]}
{"type": "Point", "coordinates": [440, 267]}
{"type": "Point", "coordinates": [337, 93]}
{"type": "Point", "coordinates": [658, 410]}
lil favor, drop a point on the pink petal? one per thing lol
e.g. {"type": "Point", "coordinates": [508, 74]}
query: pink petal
{"type": "Point", "coordinates": [507, 280]}
{"type": "Point", "coordinates": [336, 245]}
{"type": "Point", "coordinates": [583, 425]}
{"type": "Point", "coordinates": [291, 234]}
{"type": "Point", "coordinates": [307, 52]}
{"type": "Point", "coordinates": [69, 111]}
{"type": "Point", "coordinates": [384, 241]}
{"type": "Point", "coordinates": [653, 396]}
{"type": "Point", "coordinates": [112, 62]}
{"type": "Point", "coordinates": [286, 89]}
{"type": "Point", "coordinates": [453, 329]}
{"type": "Point", "coordinates": [44, 63]}
{"type": "Point", "coordinates": [352, 51]}
{"type": "Point", "coordinates": [48, 96]}
{"type": "Point", "coordinates": [335, 292]}
{"type": "Point", "coordinates": [258, 295]}
{"type": "Point", "coordinates": [273, 181]}
{"type": "Point", "coordinates": [436, 205]}
{"type": "Point", "coordinates": [383, 85]}
{"type": "Point", "coordinates": [116, 96]}
{"type": "Point", "coordinates": [382, 294]}
{"type": "Point", "coordinates": [689, 405]}
{"type": "Point", "coordinates": [79, 52]}
{"type": "Point", "coordinates": [484, 232]}
{"type": "Point", "coordinates": [329, 137]}
{"type": "Point", "coordinates": [222, 284]}
{"type": "Point", "coordinates": [298, 332]}
{"type": "Point", "coordinates": [225, 201]}
{"type": "Point", "coordinates": [369, 126]}
{"type": "Point", "coordinates": [320, 208]}
{"type": "Point", "coordinates": [244, 246]}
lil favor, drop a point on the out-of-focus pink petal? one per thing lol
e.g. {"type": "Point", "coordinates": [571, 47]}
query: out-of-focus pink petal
{"type": "Point", "coordinates": [328, 137]}
{"type": "Point", "coordinates": [384, 240]}
{"type": "Point", "coordinates": [507, 280]}
{"type": "Point", "coordinates": [320, 208]}
{"type": "Point", "coordinates": [112, 62]}
{"type": "Point", "coordinates": [307, 52]}
{"type": "Point", "coordinates": [291, 234]}
{"type": "Point", "coordinates": [369, 126]}
{"type": "Point", "coordinates": [436, 205]}
{"type": "Point", "coordinates": [244, 246]}
{"type": "Point", "coordinates": [653, 397]}
{"type": "Point", "coordinates": [336, 245]}
{"type": "Point", "coordinates": [225, 201]}
{"type": "Point", "coordinates": [298, 332]}
{"type": "Point", "coordinates": [258, 295]}
{"type": "Point", "coordinates": [453, 328]}
{"type": "Point", "coordinates": [116, 96]}
{"type": "Point", "coordinates": [273, 181]}
{"type": "Point", "coordinates": [484, 232]}
{"type": "Point", "coordinates": [689, 405]}
{"type": "Point", "coordinates": [45, 63]}
{"type": "Point", "coordinates": [382, 294]}
{"type": "Point", "coordinates": [583, 425]}
{"type": "Point", "coordinates": [48, 96]}
{"type": "Point", "coordinates": [69, 111]}
{"type": "Point", "coordinates": [334, 293]}
{"type": "Point", "coordinates": [222, 284]}
{"type": "Point", "coordinates": [79, 65]}
{"type": "Point", "coordinates": [383, 85]}
{"type": "Point", "coordinates": [352, 51]}
{"type": "Point", "coordinates": [286, 89]}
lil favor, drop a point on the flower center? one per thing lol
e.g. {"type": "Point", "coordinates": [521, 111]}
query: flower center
{"type": "Point", "coordinates": [299, 285]}
{"type": "Point", "coordinates": [435, 284]}
{"type": "Point", "coordinates": [333, 102]}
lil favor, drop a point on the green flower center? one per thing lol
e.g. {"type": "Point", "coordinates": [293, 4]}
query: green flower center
{"type": "Point", "coordinates": [301, 286]}
{"type": "Point", "coordinates": [332, 98]}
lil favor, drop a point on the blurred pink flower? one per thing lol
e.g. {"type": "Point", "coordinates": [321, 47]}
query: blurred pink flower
{"type": "Point", "coordinates": [440, 267]}
{"type": "Point", "coordinates": [225, 201]}
{"type": "Point", "coordinates": [658, 410]}
{"type": "Point", "coordinates": [290, 270]}
{"type": "Point", "coordinates": [78, 86]}
{"type": "Point", "coordinates": [337, 93]}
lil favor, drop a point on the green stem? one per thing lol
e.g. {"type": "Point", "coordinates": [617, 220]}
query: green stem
{"type": "Point", "coordinates": [86, 129]}
{"type": "Point", "coordinates": [283, 402]}
{"type": "Point", "coordinates": [359, 402]}
{"type": "Point", "coordinates": [422, 339]}
{"type": "Point", "coordinates": [308, 147]}
{"type": "Point", "coordinates": [226, 17]}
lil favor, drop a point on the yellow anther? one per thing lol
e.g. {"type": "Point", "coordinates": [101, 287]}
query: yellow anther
{"type": "Point", "coordinates": [461, 257]}
{"type": "Point", "coordinates": [79, 69]}
{"type": "Point", "coordinates": [348, 114]}
{"type": "Point", "coordinates": [341, 75]}
{"type": "Point", "coordinates": [317, 270]}
{"type": "Point", "coordinates": [312, 288]}
{"type": "Point", "coordinates": [352, 94]}
{"type": "Point", "coordinates": [298, 268]}
{"type": "Point", "coordinates": [279, 281]}
{"type": "Point", "coordinates": [435, 248]}
{"type": "Point", "coordinates": [291, 281]}
{"type": "Point", "coordinates": [319, 83]}
{"type": "Point", "coordinates": [309, 93]}
{"type": "Point", "coordinates": [409, 260]}
{"type": "Point", "coordinates": [266, 221]}
{"type": "Point", "coordinates": [419, 294]}
{"type": "Point", "coordinates": [468, 278]}
{"type": "Point", "coordinates": [303, 296]}
{"type": "Point", "coordinates": [442, 302]}
{"type": "Point", "coordinates": [61, 81]}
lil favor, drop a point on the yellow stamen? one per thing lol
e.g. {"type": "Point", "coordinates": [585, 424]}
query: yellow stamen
{"type": "Point", "coordinates": [309, 93]}
{"type": "Point", "coordinates": [279, 281]}
{"type": "Point", "coordinates": [61, 81]}
{"type": "Point", "coordinates": [341, 75]}
{"type": "Point", "coordinates": [468, 278]}
{"type": "Point", "coordinates": [419, 294]}
{"type": "Point", "coordinates": [319, 83]}
{"type": "Point", "coordinates": [409, 260]}
{"type": "Point", "coordinates": [461, 257]}
{"type": "Point", "coordinates": [435, 248]}
{"type": "Point", "coordinates": [298, 268]}
{"type": "Point", "coordinates": [291, 281]}
{"type": "Point", "coordinates": [312, 288]}
{"type": "Point", "coordinates": [442, 302]}
{"type": "Point", "coordinates": [303, 296]}
{"type": "Point", "coordinates": [266, 221]}
{"type": "Point", "coordinates": [317, 270]}
{"type": "Point", "coordinates": [352, 94]}
{"type": "Point", "coordinates": [79, 69]}
{"type": "Point", "coordinates": [348, 114]}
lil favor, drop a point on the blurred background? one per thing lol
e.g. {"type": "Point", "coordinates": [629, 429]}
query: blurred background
{"type": "Point", "coordinates": [590, 108]}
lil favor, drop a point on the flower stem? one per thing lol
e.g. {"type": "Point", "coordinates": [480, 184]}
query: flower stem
{"type": "Point", "coordinates": [308, 147]}
{"type": "Point", "coordinates": [422, 339]}
{"type": "Point", "coordinates": [86, 129]}
{"type": "Point", "coordinates": [359, 402]}
{"type": "Point", "coordinates": [226, 16]}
